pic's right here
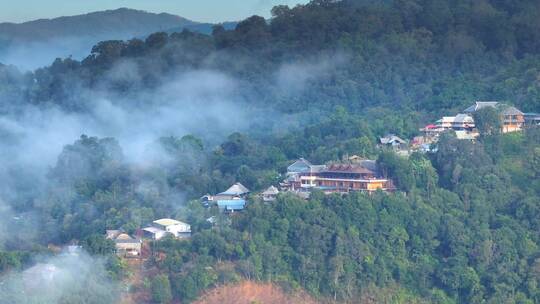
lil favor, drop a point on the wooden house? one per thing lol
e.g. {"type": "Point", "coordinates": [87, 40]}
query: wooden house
{"type": "Point", "coordinates": [270, 194]}
{"type": "Point", "coordinates": [126, 245]}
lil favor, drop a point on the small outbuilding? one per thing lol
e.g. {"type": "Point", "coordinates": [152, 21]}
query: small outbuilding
{"type": "Point", "coordinates": [270, 194]}
{"type": "Point", "coordinates": [125, 244]}
{"type": "Point", "coordinates": [393, 141]}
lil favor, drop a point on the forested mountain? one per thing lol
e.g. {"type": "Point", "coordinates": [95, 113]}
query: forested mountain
{"type": "Point", "coordinates": [127, 22]}
{"type": "Point", "coordinates": [75, 35]}
{"type": "Point", "coordinates": [420, 55]}
{"type": "Point", "coordinates": [193, 113]}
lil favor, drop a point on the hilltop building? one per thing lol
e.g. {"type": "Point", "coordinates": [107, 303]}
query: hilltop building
{"type": "Point", "coordinates": [302, 176]}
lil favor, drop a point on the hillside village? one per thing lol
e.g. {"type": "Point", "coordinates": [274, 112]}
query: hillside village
{"type": "Point", "coordinates": [354, 174]}
{"type": "Point", "coordinates": [463, 126]}
{"type": "Point", "coordinates": [351, 174]}
{"type": "Point", "coordinates": [325, 151]}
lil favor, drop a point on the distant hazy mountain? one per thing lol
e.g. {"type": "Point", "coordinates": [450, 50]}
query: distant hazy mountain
{"type": "Point", "coordinates": [98, 24]}
{"type": "Point", "coordinates": [37, 43]}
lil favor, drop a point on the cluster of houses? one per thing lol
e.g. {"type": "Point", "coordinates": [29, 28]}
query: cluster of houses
{"type": "Point", "coordinates": [354, 175]}
{"type": "Point", "coordinates": [129, 246]}
{"type": "Point", "coordinates": [302, 177]}
{"type": "Point", "coordinates": [463, 125]}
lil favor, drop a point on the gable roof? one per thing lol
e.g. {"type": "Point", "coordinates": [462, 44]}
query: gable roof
{"type": "Point", "coordinates": [304, 166]}
{"type": "Point", "coordinates": [302, 162]}
{"type": "Point", "coordinates": [236, 189]}
{"type": "Point", "coordinates": [153, 230]}
{"type": "Point", "coordinates": [126, 239]}
{"type": "Point", "coordinates": [509, 110]}
{"type": "Point", "coordinates": [301, 165]}
{"type": "Point", "coordinates": [506, 109]}
{"type": "Point", "coordinates": [112, 234]}
{"type": "Point", "coordinates": [271, 191]}
{"type": "Point", "coordinates": [461, 118]}
{"type": "Point", "coordinates": [391, 139]}
{"type": "Point", "coordinates": [168, 222]}
{"type": "Point", "coordinates": [480, 105]}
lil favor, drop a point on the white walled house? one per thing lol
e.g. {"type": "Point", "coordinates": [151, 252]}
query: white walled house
{"type": "Point", "coordinates": [154, 233]}
{"type": "Point", "coordinates": [174, 227]}
{"type": "Point", "coordinates": [161, 228]}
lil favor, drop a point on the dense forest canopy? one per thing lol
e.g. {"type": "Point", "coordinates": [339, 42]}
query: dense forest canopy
{"type": "Point", "coordinates": [321, 81]}
{"type": "Point", "coordinates": [419, 55]}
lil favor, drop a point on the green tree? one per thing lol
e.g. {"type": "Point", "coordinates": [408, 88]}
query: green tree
{"type": "Point", "coordinates": [488, 121]}
{"type": "Point", "coordinates": [98, 244]}
{"type": "Point", "coordinates": [161, 289]}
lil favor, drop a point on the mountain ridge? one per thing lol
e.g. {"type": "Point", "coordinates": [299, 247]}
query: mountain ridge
{"type": "Point", "coordinates": [94, 24]}
{"type": "Point", "coordinates": [33, 44]}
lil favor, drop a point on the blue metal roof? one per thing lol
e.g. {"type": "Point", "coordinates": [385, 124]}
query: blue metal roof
{"type": "Point", "coordinates": [235, 204]}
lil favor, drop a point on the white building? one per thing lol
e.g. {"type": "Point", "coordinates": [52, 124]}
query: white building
{"type": "Point", "coordinates": [163, 227]}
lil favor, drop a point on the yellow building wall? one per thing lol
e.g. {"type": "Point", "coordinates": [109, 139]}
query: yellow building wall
{"type": "Point", "coordinates": [375, 185]}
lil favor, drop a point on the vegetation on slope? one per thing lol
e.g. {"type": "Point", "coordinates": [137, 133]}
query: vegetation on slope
{"type": "Point", "coordinates": [462, 229]}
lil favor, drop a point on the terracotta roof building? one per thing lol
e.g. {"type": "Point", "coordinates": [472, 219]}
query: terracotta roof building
{"type": "Point", "coordinates": [363, 176]}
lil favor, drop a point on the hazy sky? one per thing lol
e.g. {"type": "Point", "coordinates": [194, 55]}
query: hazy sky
{"type": "Point", "coordinates": [197, 10]}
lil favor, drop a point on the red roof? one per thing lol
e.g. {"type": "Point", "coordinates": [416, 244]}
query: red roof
{"type": "Point", "coordinates": [431, 126]}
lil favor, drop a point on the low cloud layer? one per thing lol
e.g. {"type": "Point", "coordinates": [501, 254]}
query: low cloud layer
{"type": "Point", "coordinates": [28, 56]}
{"type": "Point", "coordinates": [67, 278]}
{"type": "Point", "coordinates": [206, 103]}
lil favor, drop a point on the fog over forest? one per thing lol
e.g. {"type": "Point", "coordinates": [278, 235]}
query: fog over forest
{"type": "Point", "coordinates": [158, 124]}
